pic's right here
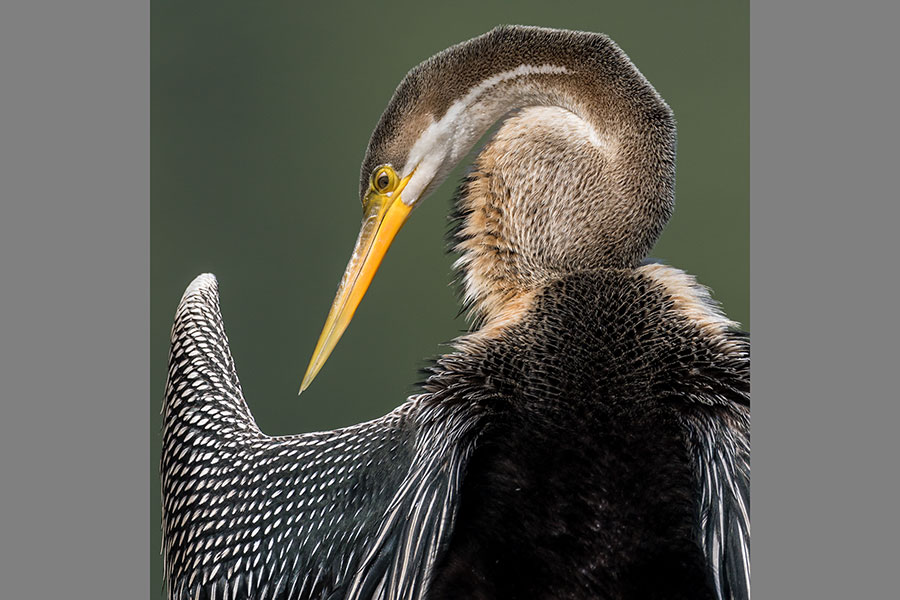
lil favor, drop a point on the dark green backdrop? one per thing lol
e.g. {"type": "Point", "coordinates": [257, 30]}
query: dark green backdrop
{"type": "Point", "coordinates": [260, 115]}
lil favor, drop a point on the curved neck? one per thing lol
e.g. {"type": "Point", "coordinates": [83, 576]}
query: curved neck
{"type": "Point", "coordinates": [460, 93]}
{"type": "Point", "coordinates": [591, 185]}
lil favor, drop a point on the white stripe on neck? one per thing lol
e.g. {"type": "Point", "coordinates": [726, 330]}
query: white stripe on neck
{"type": "Point", "coordinates": [444, 142]}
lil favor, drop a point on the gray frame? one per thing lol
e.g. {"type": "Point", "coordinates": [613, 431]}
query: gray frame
{"type": "Point", "coordinates": [74, 278]}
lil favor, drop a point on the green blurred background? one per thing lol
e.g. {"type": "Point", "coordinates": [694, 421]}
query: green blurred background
{"type": "Point", "coordinates": [260, 115]}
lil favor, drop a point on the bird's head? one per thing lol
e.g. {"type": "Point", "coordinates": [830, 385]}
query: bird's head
{"type": "Point", "coordinates": [557, 172]}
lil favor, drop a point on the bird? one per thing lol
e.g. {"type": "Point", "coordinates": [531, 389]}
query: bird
{"type": "Point", "coordinates": [588, 436]}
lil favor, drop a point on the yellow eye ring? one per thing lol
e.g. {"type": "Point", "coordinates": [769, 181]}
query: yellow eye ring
{"type": "Point", "coordinates": [384, 179]}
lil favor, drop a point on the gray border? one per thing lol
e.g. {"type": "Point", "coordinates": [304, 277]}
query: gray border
{"type": "Point", "coordinates": [74, 276]}
{"type": "Point", "coordinates": [824, 208]}
{"type": "Point", "coordinates": [74, 302]}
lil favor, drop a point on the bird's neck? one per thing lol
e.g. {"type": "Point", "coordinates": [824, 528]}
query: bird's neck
{"type": "Point", "coordinates": [495, 290]}
{"type": "Point", "coordinates": [548, 196]}
{"type": "Point", "coordinates": [513, 234]}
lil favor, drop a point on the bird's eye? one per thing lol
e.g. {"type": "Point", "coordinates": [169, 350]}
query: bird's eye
{"type": "Point", "coordinates": [384, 179]}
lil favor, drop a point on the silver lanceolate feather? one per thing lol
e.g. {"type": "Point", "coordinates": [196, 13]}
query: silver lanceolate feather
{"type": "Point", "coordinates": [722, 459]}
{"type": "Point", "coordinates": [352, 513]}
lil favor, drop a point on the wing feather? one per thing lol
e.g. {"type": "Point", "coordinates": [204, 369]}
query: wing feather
{"type": "Point", "coordinates": [720, 447]}
{"type": "Point", "coordinates": [358, 512]}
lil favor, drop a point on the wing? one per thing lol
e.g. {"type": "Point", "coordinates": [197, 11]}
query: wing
{"type": "Point", "coordinates": [360, 512]}
{"type": "Point", "coordinates": [720, 447]}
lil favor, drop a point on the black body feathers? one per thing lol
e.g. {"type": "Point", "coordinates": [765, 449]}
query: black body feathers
{"type": "Point", "coordinates": [581, 454]}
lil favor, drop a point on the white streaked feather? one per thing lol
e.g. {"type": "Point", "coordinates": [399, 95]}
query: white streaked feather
{"type": "Point", "coordinates": [232, 496]}
{"type": "Point", "coordinates": [722, 503]}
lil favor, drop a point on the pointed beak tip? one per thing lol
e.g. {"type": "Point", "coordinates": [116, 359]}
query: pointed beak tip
{"type": "Point", "coordinates": [307, 380]}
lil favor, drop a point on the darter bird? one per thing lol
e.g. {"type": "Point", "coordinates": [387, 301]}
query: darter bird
{"type": "Point", "coordinates": [587, 438]}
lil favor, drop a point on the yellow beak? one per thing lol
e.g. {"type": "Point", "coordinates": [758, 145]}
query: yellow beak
{"type": "Point", "coordinates": [384, 215]}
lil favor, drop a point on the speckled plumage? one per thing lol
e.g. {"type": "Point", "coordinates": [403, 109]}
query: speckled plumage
{"type": "Point", "coordinates": [318, 515]}
{"type": "Point", "coordinates": [589, 438]}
